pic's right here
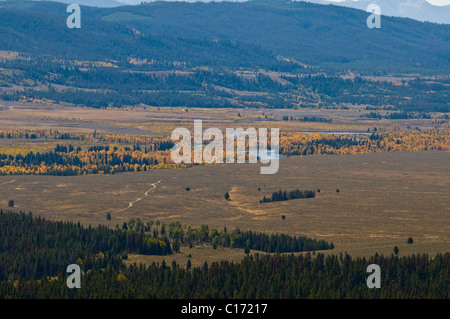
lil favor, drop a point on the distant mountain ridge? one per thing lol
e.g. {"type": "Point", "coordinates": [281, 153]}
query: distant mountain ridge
{"type": "Point", "coordinates": [420, 10]}
{"type": "Point", "coordinates": [92, 3]}
{"type": "Point", "coordinates": [246, 34]}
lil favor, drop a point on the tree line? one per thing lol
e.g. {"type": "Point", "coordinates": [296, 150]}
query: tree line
{"type": "Point", "coordinates": [285, 195]}
{"type": "Point", "coordinates": [256, 277]}
{"type": "Point", "coordinates": [35, 252]}
{"type": "Point", "coordinates": [235, 238]}
{"type": "Point", "coordinates": [140, 153]}
{"type": "Point", "coordinates": [33, 247]}
{"type": "Point", "coordinates": [67, 160]}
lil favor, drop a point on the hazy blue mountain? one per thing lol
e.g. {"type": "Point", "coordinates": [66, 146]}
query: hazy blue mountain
{"type": "Point", "coordinates": [246, 34]}
{"type": "Point", "coordinates": [308, 33]}
{"type": "Point", "coordinates": [116, 3]}
{"type": "Point", "coordinates": [92, 3]}
{"type": "Point", "coordinates": [40, 28]}
{"type": "Point", "coordinates": [420, 10]}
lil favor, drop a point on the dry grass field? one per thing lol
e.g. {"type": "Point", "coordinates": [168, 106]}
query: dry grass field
{"type": "Point", "coordinates": [161, 121]}
{"type": "Point", "coordinates": [383, 199]}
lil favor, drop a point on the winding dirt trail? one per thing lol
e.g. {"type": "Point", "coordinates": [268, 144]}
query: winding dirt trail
{"type": "Point", "coordinates": [130, 204]}
{"type": "Point", "coordinates": [153, 187]}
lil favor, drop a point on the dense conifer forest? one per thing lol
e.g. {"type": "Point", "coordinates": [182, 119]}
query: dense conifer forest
{"type": "Point", "coordinates": [34, 254]}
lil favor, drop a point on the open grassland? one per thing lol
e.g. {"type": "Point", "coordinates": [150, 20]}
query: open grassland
{"type": "Point", "coordinates": [162, 120]}
{"type": "Point", "coordinates": [383, 199]}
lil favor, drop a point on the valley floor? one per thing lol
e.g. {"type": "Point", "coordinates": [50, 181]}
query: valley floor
{"type": "Point", "coordinates": [383, 199]}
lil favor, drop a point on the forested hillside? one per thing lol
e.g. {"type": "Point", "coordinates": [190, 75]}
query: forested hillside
{"type": "Point", "coordinates": [269, 54]}
{"type": "Point", "coordinates": [229, 34]}
{"type": "Point", "coordinates": [34, 254]}
{"type": "Point", "coordinates": [35, 248]}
